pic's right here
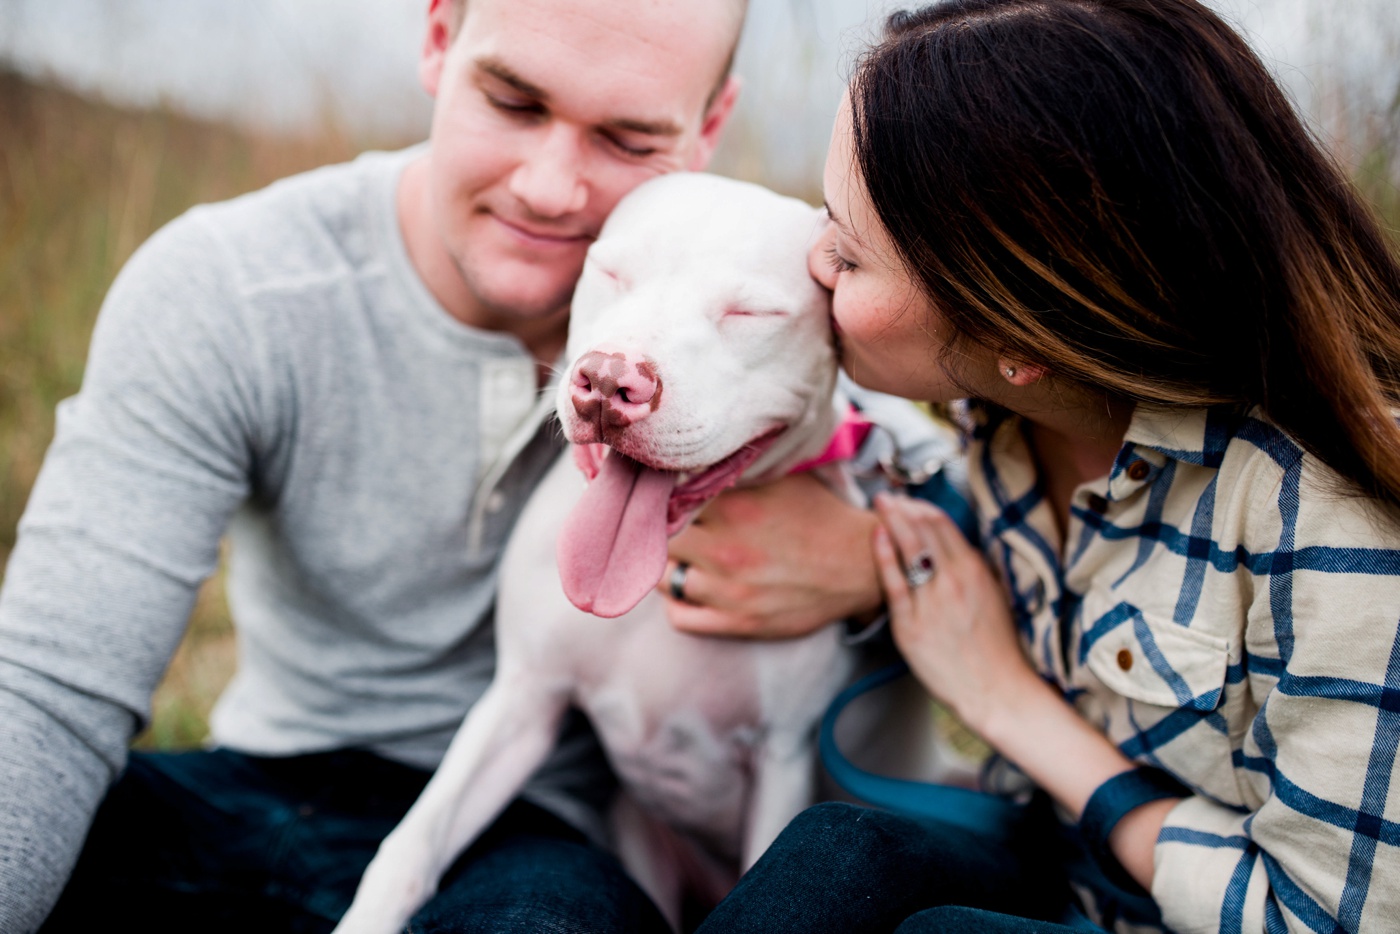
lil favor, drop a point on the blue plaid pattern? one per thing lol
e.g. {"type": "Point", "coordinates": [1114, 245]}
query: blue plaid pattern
{"type": "Point", "coordinates": [1222, 609]}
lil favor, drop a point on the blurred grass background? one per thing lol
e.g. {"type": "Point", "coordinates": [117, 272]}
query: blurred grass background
{"type": "Point", "coordinates": [82, 184]}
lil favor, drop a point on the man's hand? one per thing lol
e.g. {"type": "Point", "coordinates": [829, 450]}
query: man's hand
{"type": "Point", "coordinates": [774, 562]}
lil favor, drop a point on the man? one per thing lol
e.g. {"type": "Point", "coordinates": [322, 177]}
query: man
{"type": "Point", "coordinates": [342, 371]}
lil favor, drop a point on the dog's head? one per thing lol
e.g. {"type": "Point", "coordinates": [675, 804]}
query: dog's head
{"type": "Point", "coordinates": [700, 353]}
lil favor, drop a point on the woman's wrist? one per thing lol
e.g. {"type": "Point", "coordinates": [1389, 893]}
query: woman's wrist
{"type": "Point", "coordinates": [1107, 824]}
{"type": "Point", "coordinates": [1120, 806]}
{"type": "Point", "coordinates": [1031, 725]}
{"type": "Point", "coordinates": [999, 713]}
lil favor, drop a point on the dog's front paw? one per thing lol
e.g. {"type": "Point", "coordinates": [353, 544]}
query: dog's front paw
{"type": "Point", "coordinates": [383, 903]}
{"type": "Point", "coordinates": [365, 917]}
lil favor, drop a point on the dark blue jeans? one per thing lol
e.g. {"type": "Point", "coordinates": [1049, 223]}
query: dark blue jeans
{"type": "Point", "coordinates": [844, 869]}
{"type": "Point", "coordinates": [220, 842]}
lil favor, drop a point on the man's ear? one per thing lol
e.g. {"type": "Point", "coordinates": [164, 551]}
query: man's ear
{"type": "Point", "coordinates": [716, 119]}
{"type": "Point", "coordinates": [435, 44]}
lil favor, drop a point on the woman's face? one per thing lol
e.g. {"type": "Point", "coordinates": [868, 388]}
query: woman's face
{"type": "Point", "coordinates": [888, 331]}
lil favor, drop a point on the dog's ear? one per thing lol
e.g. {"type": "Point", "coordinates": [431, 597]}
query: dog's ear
{"type": "Point", "coordinates": [713, 123]}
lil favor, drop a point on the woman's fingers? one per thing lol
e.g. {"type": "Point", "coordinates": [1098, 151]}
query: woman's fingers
{"type": "Point", "coordinates": [920, 531]}
{"type": "Point", "coordinates": [902, 526]}
{"type": "Point", "coordinates": [891, 568]}
{"type": "Point", "coordinates": [907, 553]}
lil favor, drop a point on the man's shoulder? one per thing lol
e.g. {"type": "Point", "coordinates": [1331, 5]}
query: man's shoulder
{"type": "Point", "coordinates": [326, 218]}
{"type": "Point", "coordinates": [328, 184]}
{"type": "Point", "coordinates": [237, 267]}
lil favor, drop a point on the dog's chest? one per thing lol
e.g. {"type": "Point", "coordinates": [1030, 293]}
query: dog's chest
{"type": "Point", "coordinates": [679, 717]}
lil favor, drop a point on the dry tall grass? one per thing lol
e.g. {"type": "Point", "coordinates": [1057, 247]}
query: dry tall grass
{"type": "Point", "coordinates": [81, 186]}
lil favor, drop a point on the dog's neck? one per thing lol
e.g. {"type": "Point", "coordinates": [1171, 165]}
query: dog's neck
{"type": "Point", "coordinates": [804, 442]}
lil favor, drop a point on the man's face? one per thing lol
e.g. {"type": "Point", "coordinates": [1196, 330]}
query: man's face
{"type": "Point", "coordinates": [547, 113]}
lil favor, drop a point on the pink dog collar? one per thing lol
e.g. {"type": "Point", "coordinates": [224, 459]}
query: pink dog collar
{"type": "Point", "coordinates": [844, 444]}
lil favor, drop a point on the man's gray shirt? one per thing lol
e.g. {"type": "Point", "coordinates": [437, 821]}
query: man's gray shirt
{"type": "Point", "coordinates": [272, 367]}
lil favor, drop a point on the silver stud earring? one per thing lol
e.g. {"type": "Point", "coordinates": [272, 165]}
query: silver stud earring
{"type": "Point", "coordinates": [1011, 372]}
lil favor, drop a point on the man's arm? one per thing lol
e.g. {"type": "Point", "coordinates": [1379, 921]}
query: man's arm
{"type": "Point", "coordinates": [148, 463]}
{"type": "Point", "coordinates": [775, 562]}
{"type": "Point", "coordinates": [786, 559]}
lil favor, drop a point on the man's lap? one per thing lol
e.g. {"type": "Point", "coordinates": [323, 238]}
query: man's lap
{"type": "Point", "coordinates": [221, 841]}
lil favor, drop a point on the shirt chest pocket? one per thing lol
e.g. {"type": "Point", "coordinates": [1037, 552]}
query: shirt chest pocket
{"type": "Point", "coordinates": [1160, 692]}
{"type": "Point", "coordinates": [1156, 662]}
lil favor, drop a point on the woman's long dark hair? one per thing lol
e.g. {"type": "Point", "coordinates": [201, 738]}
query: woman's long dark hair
{"type": "Point", "coordinates": [1117, 190]}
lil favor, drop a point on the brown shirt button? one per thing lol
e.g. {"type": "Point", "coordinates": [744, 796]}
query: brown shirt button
{"type": "Point", "coordinates": [1138, 470]}
{"type": "Point", "coordinates": [1097, 504]}
{"type": "Point", "coordinates": [1125, 659]}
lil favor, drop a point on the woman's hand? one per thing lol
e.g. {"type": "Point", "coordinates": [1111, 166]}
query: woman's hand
{"type": "Point", "coordinates": [774, 562]}
{"type": "Point", "coordinates": [955, 630]}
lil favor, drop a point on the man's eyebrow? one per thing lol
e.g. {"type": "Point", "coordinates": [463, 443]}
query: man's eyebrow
{"type": "Point", "coordinates": [646, 127]}
{"type": "Point", "coordinates": [502, 72]}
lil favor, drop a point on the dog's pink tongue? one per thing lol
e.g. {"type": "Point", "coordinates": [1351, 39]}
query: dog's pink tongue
{"type": "Point", "coordinates": [612, 549]}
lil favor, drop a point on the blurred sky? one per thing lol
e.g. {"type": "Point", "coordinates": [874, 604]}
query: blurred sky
{"type": "Point", "coordinates": [289, 64]}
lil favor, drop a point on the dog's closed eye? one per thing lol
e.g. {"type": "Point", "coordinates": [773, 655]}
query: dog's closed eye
{"type": "Point", "coordinates": [741, 312]}
{"type": "Point", "coordinates": [605, 267]}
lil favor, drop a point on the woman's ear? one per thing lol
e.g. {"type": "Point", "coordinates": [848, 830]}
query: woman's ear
{"type": "Point", "coordinates": [1018, 373]}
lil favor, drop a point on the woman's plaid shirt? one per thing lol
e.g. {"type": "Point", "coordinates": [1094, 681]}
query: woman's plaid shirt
{"type": "Point", "coordinates": [1222, 609]}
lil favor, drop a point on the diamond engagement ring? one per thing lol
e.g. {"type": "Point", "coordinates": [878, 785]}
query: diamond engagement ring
{"type": "Point", "coordinates": [919, 571]}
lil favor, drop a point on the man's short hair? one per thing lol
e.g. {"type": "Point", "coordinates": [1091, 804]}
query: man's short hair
{"type": "Point", "coordinates": [741, 12]}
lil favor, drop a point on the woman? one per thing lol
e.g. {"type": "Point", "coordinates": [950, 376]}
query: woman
{"type": "Point", "coordinates": [1101, 221]}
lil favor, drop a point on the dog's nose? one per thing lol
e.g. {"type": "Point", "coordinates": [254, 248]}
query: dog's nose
{"type": "Point", "coordinates": [612, 389]}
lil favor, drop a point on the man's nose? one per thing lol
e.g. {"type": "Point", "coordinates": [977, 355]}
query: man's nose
{"type": "Point", "coordinates": [549, 181]}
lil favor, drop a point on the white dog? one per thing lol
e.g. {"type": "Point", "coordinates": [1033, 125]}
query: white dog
{"type": "Point", "coordinates": [701, 356]}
